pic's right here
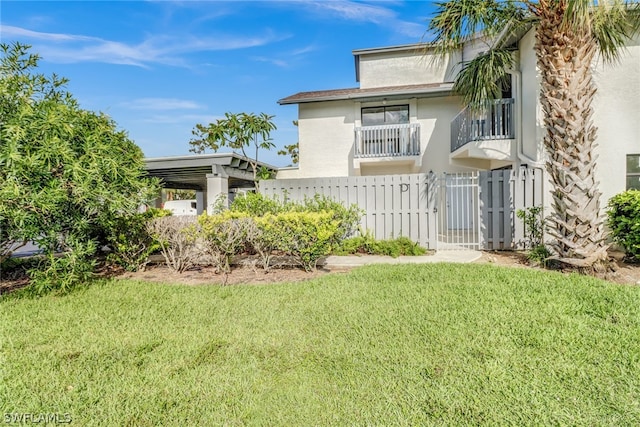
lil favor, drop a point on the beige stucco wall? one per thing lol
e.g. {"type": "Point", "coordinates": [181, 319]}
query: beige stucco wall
{"type": "Point", "coordinates": [532, 124]}
{"type": "Point", "coordinates": [617, 116]}
{"type": "Point", "coordinates": [326, 135]}
{"type": "Point", "coordinates": [410, 67]}
{"type": "Point", "coordinates": [288, 173]}
{"type": "Point", "coordinates": [616, 113]}
{"type": "Point", "coordinates": [434, 116]}
{"type": "Point", "coordinates": [325, 132]}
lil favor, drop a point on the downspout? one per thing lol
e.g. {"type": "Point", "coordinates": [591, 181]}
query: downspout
{"type": "Point", "coordinates": [498, 42]}
{"type": "Point", "coordinates": [517, 74]}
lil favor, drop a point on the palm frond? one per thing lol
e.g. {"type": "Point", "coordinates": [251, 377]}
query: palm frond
{"type": "Point", "coordinates": [613, 25]}
{"type": "Point", "coordinates": [481, 78]}
{"type": "Point", "coordinates": [456, 21]}
{"type": "Point", "coordinates": [611, 22]}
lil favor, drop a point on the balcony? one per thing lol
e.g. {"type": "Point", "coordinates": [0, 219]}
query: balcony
{"type": "Point", "coordinates": [485, 134]}
{"type": "Point", "coordinates": [399, 140]}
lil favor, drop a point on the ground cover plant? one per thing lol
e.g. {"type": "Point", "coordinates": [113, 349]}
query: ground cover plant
{"type": "Point", "coordinates": [624, 221]}
{"type": "Point", "coordinates": [433, 344]}
{"type": "Point", "coordinates": [366, 243]}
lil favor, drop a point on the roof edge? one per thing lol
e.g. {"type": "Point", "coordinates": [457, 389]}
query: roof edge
{"type": "Point", "coordinates": [356, 93]}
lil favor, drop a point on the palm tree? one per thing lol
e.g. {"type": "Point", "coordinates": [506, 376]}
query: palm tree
{"type": "Point", "coordinates": [569, 34]}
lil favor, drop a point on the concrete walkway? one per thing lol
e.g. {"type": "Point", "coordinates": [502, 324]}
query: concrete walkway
{"type": "Point", "coordinates": [462, 256]}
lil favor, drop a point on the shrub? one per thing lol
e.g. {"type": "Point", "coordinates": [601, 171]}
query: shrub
{"type": "Point", "coordinates": [306, 236]}
{"type": "Point", "coordinates": [64, 271]}
{"type": "Point", "coordinates": [256, 204]}
{"type": "Point", "coordinates": [130, 241]}
{"type": "Point", "coordinates": [533, 220]}
{"type": "Point", "coordinates": [264, 238]}
{"type": "Point", "coordinates": [367, 244]}
{"type": "Point", "coordinates": [178, 238]}
{"type": "Point", "coordinates": [624, 221]}
{"type": "Point", "coordinates": [224, 235]}
{"type": "Point", "coordinates": [348, 218]}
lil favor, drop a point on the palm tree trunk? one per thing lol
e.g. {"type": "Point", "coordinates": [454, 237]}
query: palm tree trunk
{"type": "Point", "coordinates": [565, 57]}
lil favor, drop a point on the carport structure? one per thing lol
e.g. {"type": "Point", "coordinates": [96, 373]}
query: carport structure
{"type": "Point", "coordinates": [208, 174]}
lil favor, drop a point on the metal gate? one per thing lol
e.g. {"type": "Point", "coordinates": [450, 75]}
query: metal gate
{"type": "Point", "coordinates": [458, 211]}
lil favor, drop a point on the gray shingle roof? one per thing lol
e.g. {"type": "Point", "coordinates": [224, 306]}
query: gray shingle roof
{"type": "Point", "coordinates": [377, 92]}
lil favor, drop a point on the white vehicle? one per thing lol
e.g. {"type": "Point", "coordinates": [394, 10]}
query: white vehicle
{"type": "Point", "coordinates": [181, 207]}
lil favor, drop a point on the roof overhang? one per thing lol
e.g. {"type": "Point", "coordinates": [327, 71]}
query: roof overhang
{"type": "Point", "coordinates": [370, 94]}
{"type": "Point", "coordinates": [191, 171]}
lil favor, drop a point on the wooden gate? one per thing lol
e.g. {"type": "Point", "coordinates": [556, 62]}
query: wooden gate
{"type": "Point", "coordinates": [475, 210]}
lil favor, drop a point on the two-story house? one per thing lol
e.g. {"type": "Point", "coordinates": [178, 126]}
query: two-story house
{"type": "Point", "coordinates": [404, 118]}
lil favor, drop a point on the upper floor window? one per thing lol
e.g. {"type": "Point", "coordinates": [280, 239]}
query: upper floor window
{"type": "Point", "coordinates": [385, 115]}
{"type": "Point", "coordinates": [633, 171]}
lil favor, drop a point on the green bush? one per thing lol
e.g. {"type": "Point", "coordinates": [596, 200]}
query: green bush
{"type": "Point", "coordinates": [367, 244]}
{"type": "Point", "coordinates": [624, 222]}
{"type": "Point", "coordinates": [306, 236]}
{"type": "Point", "coordinates": [348, 218]}
{"type": "Point", "coordinates": [533, 220]}
{"type": "Point", "coordinates": [130, 241]}
{"type": "Point", "coordinates": [256, 204]}
{"type": "Point", "coordinates": [264, 238]}
{"type": "Point", "coordinates": [62, 272]}
{"type": "Point", "coordinates": [224, 235]}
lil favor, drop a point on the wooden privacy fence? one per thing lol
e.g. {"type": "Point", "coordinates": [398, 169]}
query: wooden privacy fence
{"type": "Point", "coordinates": [502, 194]}
{"type": "Point", "coordinates": [440, 211]}
{"type": "Point", "coordinates": [394, 205]}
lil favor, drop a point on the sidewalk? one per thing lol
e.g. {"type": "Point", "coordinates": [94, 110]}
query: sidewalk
{"type": "Point", "coordinates": [462, 257]}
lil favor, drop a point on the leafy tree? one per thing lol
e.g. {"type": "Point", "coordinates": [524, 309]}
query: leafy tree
{"type": "Point", "coordinates": [238, 132]}
{"type": "Point", "coordinates": [291, 150]}
{"type": "Point", "coordinates": [569, 34]}
{"type": "Point", "coordinates": [65, 172]}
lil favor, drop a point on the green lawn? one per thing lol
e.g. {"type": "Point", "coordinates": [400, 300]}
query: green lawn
{"type": "Point", "coordinates": [383, 345]}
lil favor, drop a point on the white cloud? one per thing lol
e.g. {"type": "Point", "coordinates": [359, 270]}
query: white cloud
{"type": "Point", "coordinates": [72, 48]}
{"type": "Point", "coordinates": [287, 59]}
{"type": "Point", "coordinates": [277, 62]}
{"type": "Point", "coordinates": [355, 11]}
{"type": "Point", "coordinates": [190, 119]}
{"type": "Point", "coordinates": [376, 12]}
{"type": "Point", "coordinates": [162, 104]}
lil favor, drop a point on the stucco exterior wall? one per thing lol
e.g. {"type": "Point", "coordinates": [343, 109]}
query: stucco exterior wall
{"type": "Point", "coordinates": [617, 116]}
{"type": "Point", "coordinates": [288, 173]}
{"type": "Point", "coordinates": [616, 113]}
{"type": "Point", "coordinates": [326, 135]}
{"type": "Point", "coordinates": [325, 132]}
{"type": "Point", "coordinates": [532, 124]}
{"type": "Point", "coordinates": [410, 67]}
{"type": "Point", "coordinates": [434, 116]}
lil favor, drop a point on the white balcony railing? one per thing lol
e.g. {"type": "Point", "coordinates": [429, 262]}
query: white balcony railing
{"type": "Point", "coordinates": [387, 140]}
{"type": "Point", "coordinates": [494, 121]}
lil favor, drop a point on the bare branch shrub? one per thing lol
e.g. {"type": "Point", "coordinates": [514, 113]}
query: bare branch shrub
{"type": "Point", "coordinates": [178, 238]}
{"type": "Point", "coordinates": [225, 235]}
{"type": "Point", "coordinates": [264, 239]}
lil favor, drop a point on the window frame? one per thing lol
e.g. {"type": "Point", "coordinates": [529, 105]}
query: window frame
{"type": "Point", "coordinates": [631, 174]}
{"type": "Point", "coordinates": [384, 114]}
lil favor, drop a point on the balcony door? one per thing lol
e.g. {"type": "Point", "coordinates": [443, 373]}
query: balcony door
{"type": "Point", "coordinates": [385, 130]}
{"type": "Point", "coordinates": [385, 115]}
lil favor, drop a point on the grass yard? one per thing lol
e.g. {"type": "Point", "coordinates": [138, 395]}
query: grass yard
{"type": "Point", "coordinates": [382, 345]}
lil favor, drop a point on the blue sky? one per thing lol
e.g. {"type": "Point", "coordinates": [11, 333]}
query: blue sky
{"type": "Point", "coordinates": [160, 67]}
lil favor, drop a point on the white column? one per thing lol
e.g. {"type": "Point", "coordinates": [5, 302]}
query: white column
{"type": "Point", "coordinates": [200, 200]}
{"type": "Point", "coordinates": [217, 183]}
